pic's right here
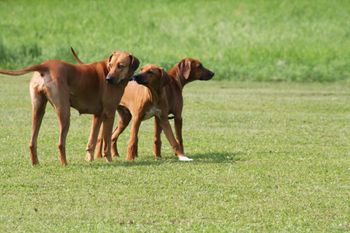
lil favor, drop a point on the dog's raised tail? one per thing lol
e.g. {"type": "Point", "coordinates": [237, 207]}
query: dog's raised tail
{"type": "Point", "coordinates": [39, 68]}
{"type": "Point", "coordinates": [75, 55]}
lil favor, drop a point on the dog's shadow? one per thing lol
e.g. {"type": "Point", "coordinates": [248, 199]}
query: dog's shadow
{"type": "Point", "coordinates": [120, 162]}
{"type": "Point", "coordinates": [209, 157]}
{"type": "Point", "coordinates": [198, 158]}
{"type": "Point", "coordinates": [216, 157]}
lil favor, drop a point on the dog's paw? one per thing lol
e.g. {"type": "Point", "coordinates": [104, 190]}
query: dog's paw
{"type": "Point", "coordinates": [184, 158]}
{"type": "Point", "coordinates": [89, 157]}
{"type": "Point", "coordinates": [108, 158]}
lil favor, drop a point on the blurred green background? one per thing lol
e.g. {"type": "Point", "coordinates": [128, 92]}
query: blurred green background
{"type": "Point", "coordinates": [240, 40]}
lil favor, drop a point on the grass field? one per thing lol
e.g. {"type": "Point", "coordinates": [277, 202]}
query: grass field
{"type": "Point", "coordinates": [242, 40]}
{"type": "Point", "coordinates": [268, 158]}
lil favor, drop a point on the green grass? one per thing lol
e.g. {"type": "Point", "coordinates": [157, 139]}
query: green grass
{"type": "Point", "coordinates": [241, 40]}
{"type": "Point", "coordinates": [268, 158]}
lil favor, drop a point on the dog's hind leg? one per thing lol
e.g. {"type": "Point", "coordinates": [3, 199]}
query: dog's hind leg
{"type": "Point", "coordinates": [99, 145]}
{"type": "Point", "coordinates": [58, 95]}
{"type": "Point", "coordinates": [178, 131]}
{"type": "Point", "coordinates": [164, 123]}
{"type": "Point", "coordinates": [39, 102]}
{"type": "Point", "coordinates": [63, 113]}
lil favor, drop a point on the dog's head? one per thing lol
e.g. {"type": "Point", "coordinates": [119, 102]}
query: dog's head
{"type": "Point", "coordinates": [121, 66]}
{"type": "Point", "coordinates": [191, 69]}
{"type": "Point", "coordinates": [152, 76]}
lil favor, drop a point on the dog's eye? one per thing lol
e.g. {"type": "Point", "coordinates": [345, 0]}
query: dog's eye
{"type": "Point", "coordinates": [199, 65]}
{"type": "Point", "coordinates": [121, 66]}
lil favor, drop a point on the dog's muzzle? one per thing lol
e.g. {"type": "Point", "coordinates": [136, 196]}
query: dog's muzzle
{"type": "Point", "coordinates": [209, 76]}
{"type": "Point", "coordinates": [139, 79]}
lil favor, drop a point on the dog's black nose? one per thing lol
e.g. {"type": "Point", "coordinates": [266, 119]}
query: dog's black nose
{"type": "Point", "coordinates": [135, 77]}
{"type": "Point", "coordinates": [211, 74]}
{"type": "Point", "coordinates": [110, 79]}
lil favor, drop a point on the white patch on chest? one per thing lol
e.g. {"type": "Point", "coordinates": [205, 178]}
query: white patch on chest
{"type": "Point", "coordinates": [153, 111]}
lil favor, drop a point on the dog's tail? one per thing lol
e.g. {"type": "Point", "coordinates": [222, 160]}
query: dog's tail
{"type": "Point", "coordinates": [76, 56]}
{"type": "Point", "coordinates": [39, 68]}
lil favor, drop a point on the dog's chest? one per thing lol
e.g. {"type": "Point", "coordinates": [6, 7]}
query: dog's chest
{"type": "Point", "coordinates": [153, 111]}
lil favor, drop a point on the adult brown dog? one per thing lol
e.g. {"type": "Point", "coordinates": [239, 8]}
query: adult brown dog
{"type": "Point", "coordinates": [94, 88]}
{"type": "Point", "coordinates": [187, 70]}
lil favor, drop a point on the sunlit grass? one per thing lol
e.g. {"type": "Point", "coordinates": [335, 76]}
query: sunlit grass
{"type": "Point", "coordinates": [267, 158]}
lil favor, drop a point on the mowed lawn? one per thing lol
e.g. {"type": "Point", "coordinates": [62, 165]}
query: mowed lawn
{"type": "Point", "coordinates": [268, 157]}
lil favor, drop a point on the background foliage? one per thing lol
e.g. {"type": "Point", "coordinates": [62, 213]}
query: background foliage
{"type": "Point", "coordinates": [241, 40]}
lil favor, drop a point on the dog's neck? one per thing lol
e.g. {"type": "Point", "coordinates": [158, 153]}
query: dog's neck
{"type": "Point", "coordinates": [100, 67]}
{"type": "Point", "coordinates": [177, 77]}
{"type": "Point", "coordinates": [104, 65]}
{"type": "Point", "coordinates": [155, 94]}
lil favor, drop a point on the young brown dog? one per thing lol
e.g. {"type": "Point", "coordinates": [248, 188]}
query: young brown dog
{"type": "Point", "coordinates": [161, 103]}
{"type": "Point", "coordinates": [141, 102]}
{"type": "Point", "coordinates": [184, 72]}
{"type": "Point", "coordinates": [94, 88]}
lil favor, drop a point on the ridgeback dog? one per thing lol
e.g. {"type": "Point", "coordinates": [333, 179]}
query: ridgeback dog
{"type": "Point", "coordinates": [187, 70]}
{"type": "Point", "coordinates": [184, 72]}
{"type": "Point", "coordinates": [141, 101]}
{"type": "Point", "coordinates": [94, 88]}
{"type": "Point", "coordinates": [161, 99]}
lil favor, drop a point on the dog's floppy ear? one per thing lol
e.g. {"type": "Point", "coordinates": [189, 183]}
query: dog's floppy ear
{"type": "Point", "coordinates": [165, 79]}
{"type": "Point", "coordinates": [185, 68]}
{"type": "Point", "coordinates": [109, 61]}
{"type": "Point", "coordinates": [134, 62]}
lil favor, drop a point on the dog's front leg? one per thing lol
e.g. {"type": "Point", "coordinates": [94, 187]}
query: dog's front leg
{"type": "Point", "coordinates": [95, 127]}
{"type": "Point", "coordinates": [107, 128]}
{"type": "Point", "coordinates": [133, 143]}
{"type": "Point", "coordinates": [124, 119]}
{"type": "Point", "coordinates": [157, 139]}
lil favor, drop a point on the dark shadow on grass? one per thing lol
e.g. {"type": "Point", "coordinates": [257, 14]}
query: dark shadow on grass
{"type": "Point", "coordinates": [209, 157]}
{"type": "Point", "coordinates": [216, 157]}
{"type": "Point", "coordinates": [120, 162]}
